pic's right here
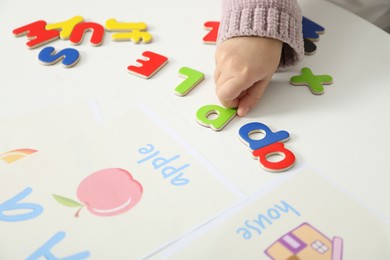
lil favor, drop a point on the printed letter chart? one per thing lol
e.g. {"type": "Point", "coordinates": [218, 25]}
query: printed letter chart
{"type": "Point", "coordinates": [30, 133]}
{"type": "Point", "coordinates": [122, 190]}
{"type": "Point", "coordinates": [305, 217]}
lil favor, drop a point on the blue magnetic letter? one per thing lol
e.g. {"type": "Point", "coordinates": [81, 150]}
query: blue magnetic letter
{"type": "Point", "coordinates": [269, 136]}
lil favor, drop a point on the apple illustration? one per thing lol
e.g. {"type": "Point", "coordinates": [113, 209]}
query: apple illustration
{"type": "Point", "coordinates": [107, 192]}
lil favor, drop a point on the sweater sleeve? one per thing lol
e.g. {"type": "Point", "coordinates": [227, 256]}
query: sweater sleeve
{"type": "Point", "coordinates": [278, 19]}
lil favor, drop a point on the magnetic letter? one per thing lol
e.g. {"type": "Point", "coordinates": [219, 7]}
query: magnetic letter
{"type": "Point", "coordinates": [270, 137]}
{"type": "Point", "coordinates": [135, 32]}
{"type": "Point", "coordinates": [69, 56]}
{"type": "Point", "coordinates": [66, 27]}
{"type": "Point", "coordinates": [80, 29]}
{"type": "Point", "coordinates": [192, 79]}
{"type": "Point", "coordinates": [313, 82]}
{"type": "Point", "coordinates": [36, 33]}
{"type": "Point", "coordinates": [311, 29]}
{"type": "Point", "coordinates": [149, 66]}
{"type": "Point", "coordinates": [277, 148]}
{"type": "Point", "coordinates": [211, 37]}
{"type": "Point", "coordinates": [224, 115]}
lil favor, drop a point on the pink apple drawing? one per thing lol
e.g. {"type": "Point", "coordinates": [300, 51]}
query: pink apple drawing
{"type": "Point", "coordinates": [107, 192]}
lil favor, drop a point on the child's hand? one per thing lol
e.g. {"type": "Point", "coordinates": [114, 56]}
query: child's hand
{"type": "Point", "coordinates": [244, 67]}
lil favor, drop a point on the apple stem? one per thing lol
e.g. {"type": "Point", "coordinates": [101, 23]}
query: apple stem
{"type": "Point", "coordinates": [77, 214]}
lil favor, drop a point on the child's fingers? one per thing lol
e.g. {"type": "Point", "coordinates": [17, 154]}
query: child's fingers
{"type": "Point", "coordinates": [230, 89]}
{"type": "Point", "coordinates": [251, 97]}
{"type": "Point", "coordinates": [217, 75]}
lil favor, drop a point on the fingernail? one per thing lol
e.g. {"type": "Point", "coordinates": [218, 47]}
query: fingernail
{"type": "Point", "coordinates": [243, 111]}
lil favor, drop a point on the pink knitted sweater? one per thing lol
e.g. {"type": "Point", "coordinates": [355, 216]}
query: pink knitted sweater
{"type": "Point", "coordinates": [278, 19]}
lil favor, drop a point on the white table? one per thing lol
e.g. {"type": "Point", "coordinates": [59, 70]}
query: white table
{"type": "Point", "coordinates": [341, 134]}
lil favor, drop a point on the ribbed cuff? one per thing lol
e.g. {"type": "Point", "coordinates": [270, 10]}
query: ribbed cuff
{"type": "Point", "coordinates": [277, 19]}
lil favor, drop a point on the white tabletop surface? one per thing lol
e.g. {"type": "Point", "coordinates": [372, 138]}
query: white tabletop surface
{"type": "Point", "coordinates": [341, 134]}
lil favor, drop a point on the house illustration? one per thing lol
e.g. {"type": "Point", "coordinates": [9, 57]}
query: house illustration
{"type": "Point", "coordinates": [306, 243]}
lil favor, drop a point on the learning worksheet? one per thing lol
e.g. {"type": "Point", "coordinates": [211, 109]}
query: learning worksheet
{"type": "Point", "coordinates": [121, 190]}
{"type": "Point", "coordinates": [306, 217]}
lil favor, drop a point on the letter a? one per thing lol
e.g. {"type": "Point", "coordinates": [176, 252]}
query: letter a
{"type": "Point", "coordinates": [223, 116]}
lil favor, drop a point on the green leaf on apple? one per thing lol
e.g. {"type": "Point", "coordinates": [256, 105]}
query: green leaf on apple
{"type": "Point", "coordinates": [67, 202]}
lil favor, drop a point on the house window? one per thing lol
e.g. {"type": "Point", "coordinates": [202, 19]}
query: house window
{"type": "Point", "coordinates": [320, 247]}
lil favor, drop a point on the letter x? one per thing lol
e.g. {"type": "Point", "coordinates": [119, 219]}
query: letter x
{"type": "Point", "coordinates": [314, 82]}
